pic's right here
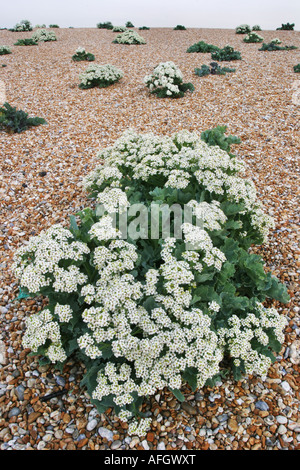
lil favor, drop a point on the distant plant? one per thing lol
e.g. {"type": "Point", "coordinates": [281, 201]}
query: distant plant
{"type": "Point", "coordinates": [5, 50]}
{"type": "Point", "coordinates": [180, 27]}
{"type": "Point", "coordinates": [24, 25]}
{"type": "Point", "coordinates": [202, 47]}
{"type": "Point", "coordinates": [253, 37]}
{"type": "Point", "coordinates": [276, 41]}
{"type": "Point", "coordinates": [144, 28]}
{"type": "Point", "coordinates": [81, 54]}
{"type": "Point", "coordinates": [297, 68]}
{"type": "Point", "coordinates": [39, 26]}
{"type": "Point", "coordinates": [167, 81]}
{"type": "Point", "coordinates": [286, 27]}
{"type": "Point", "coordinates": [256, 27]}
{"type": "Point", "coordinates": [100, 76]}
{"type": "Point", "coordinates": [129, 37]}
{"type": "Point", "coordinates": [26, 42]}
{"type": "Point", "coordinates": [53, 26]}
{"type": "Point", "coordinates": [226, 54]}
{"type": "Point", "coordinates": [16, 121]}
{"type": "Point", "coordinates": [42, 35]}
{"type": "Point", "coordinates": [216, 136]}
{"type": "Point", "coordinates": [273, 46]}
{"type": "Point", "coordinates": [119, 29]}
{"type": "Point", "coordinates": [243, 29]}
{"type": "Point", "coordinates": [214, 69]}
{"type": "Point", "coordinates": [129, 24]}
{"type": "Point", "coordinates": [106, 25]}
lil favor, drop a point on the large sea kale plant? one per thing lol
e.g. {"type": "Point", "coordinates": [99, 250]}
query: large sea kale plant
{"type": "Point", "coordinates": [155, 285]}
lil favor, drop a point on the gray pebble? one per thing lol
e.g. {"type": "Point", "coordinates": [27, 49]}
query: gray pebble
{"type": "Point", "coordinates": [20, 392]}
{"type": "Point", "coordinates": [91, 424]}
{"type": "Point", "coordinates": [261, 405]}
{"type": "Point", "coordinates": [15, 411]}
{"type": "Point", "coordinates": [106, 433]}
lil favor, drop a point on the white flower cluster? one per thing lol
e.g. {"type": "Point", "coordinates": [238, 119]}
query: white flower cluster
{"type": "Point", "coordinates": [43, 35]}
{"type": "Point", "coordinates": [181, 159]}
{"type": "Point", "coordinates": [129, 37]}
{"type": "Point", "coordinates": [100, 74]}
{"type": "Point", "coordinates": [5, 50]}
{"type": "Point", "coordinates": [163, 77]}
{"type": "Point", "coordinates": [253, 37]}
{"type": "Point", "coordinates": [36, 264]}
{"type": "Point", "coordinates": [241, 331]}
{"type": "Point", "coordinates": [40, 328]}
{"type": "Point", "coordinates": [119, 29]}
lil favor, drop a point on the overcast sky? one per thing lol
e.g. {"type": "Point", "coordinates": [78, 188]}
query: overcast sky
{"type": "Point", "coordinates": [269, 14]}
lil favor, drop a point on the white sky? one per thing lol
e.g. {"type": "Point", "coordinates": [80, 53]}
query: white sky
{"type": "Point", "coordinates": [269, 14]}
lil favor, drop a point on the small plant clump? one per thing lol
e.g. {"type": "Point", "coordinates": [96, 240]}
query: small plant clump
{"type": "Point", "coordinates": [179, 27]}
{"type": "Point", "coordinates": [253, 37]}
{"type": "Point", "coordinates": [286, 27]}
{"type": "Point", "coordinates": [53, 26]}
{"type": "Point", "coordinates": [105, 25]}
{"type": "Point", "coordinates": [129, 37]}
{"type": "Point", "coordinates": [100, 76]}
{"type": "Point", "coordinates": [297, 68]}
{"type": "Point", "coordinates": [119, 29]}
{"type": "Point", "coordinates": [166, 81]}
{"type": "Point", "coordinates": [5, 50]}
{"type": "Point", "coordinates": [145, 28]}
{"type": "Point", "coordinates": [256, 27]}
{"type": "Point", "coordinates": [243, 29]}
{"type": "Point", "coordinates": [129, 24]}
{"type": "Point", "coordinates": [214, 69]}
{"type": "Point", "coordinates": [202, 47]}
{"type": "Point", "coordinates": [226, 54]}
{"type": "Point", "coordinates": [81, 54]}
{"type": "Point", "coordinates": [15, 120]}
{"type": "Point", "coordinates": [216, 136]}
{"type": "Point", "coordinates": [42, 35]}
{"type": "Point", "coordinates": [274, 46]}
{"type": "Point", "coordinates": [26, 42]}
{"type": "Point", "coordinates": [24, 25]}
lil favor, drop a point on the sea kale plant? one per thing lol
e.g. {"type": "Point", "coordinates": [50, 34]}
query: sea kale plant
{"type": "Point", "coordinates": [156, 286]}
{"type": "Point", "coordinates": [5, 50]}
{"type": "Point", "coordinates": [286, 27]}
{"type": "Point", "coordinates": [213, 69]}
{"type": "Point", "coordinates": [243, 29]}
{"type": "Point", "coordinates": [256, 27]}
{"type": "Point", "coordinates": [15, 120]}
{"type": "Point", "coordinates": [81, 54]}
{"type": "Point", "coordinates": [100, 76]}
{"type": "Point", "coordinates": [297, 68]}
{"type": "Point", "coordinates": [274, 46]}
{"type": "Point", "coordinates": [226, 54]}
{"type": "Point", "coordinates": [43, 35]}
{"type": "Point", "coordinates": [129, 37]}
{"type": "Point", "coordinates": [253, 37]}
{"type": "Point", "coordinates": [26, 42]}
{"type": "Point", "coordinates": [24, 25]}
{"type": "Point", "coordinates": [179, 27]}
{"type": "Point", "coordinates": [202, 47]}
{"type": "Point", "coordinates": [119, 29]}
{"type": "Point", "coordinates": [166, 81]}
{"type": "Point", "coordinates": [105, 25]}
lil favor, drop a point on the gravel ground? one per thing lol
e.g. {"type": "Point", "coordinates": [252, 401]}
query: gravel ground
{"type": "Point", "coordinates": [41, 173]}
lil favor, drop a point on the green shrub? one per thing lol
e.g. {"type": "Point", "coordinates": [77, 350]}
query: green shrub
{"type": "Point", "coordinates": [106, 25]}
{"type": "Point", "coordinates": [203, 47]}
{"type": "Point", "coordinates": [286, 27]}
{"type": "Point", "coordinates": [166, 81]}
{"type": "Point", "coordinates": [144, 313]}
{"type": "Point", "coordinates": [100, 76]}
{"type": "Point", "coordinates": [144, 28]}
{"type": "Point", "coordinates": [119, 29]}
{"type": "Point", "coordinates": [179, 27]}
{"type": "Point", "coordinates": [273, 46]}
{"type": "Point", "coordinates": [256, 27]}
{"type": "Point", "coordinates": [129, 37]}
{"type": "Point", "coordinates": [42, 35]}
{"type": "Point", "coordinates": [129, 24]}
{"type": "Point", "coordinates": [53, 26]}
{"type": "Point", "coordinates": [253, 37]}
{"type": "Point", "coordinates": [5, 50]}
{"type": "Point", "coordinates": [16, 121]}
{"type": "Point", "coordinates": [226, 54]}
{"type": "Point", "coordinates": [243, 29]}
{"type": "Point", "coordinates": [81, 54]}
{"type": "Point", "coordinates": [24, 25]}
{"type": "Point", "coordinates": [216, 136]}
{"type": "Point", "coordinates": [214, 69]}
{"type": "Point", "coordinates": [26, 42]}
{"type": "Point", "coordinates": [297, 68]}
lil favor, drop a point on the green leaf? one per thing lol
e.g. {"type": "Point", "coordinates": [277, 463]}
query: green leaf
{"type": "Point", "coordinates": [177, 393]}
{"type": "Point", "coordinates": [277, 291]}
{"type": "Point", "coordinates": [190, 376]}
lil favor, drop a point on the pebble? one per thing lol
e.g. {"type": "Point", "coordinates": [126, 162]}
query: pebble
{"type": "Point", "coordinates": [91, 425]}
{"type": "Point", "coordinates": [106, 433]}
{"type": "Point", "coordinates": [261, 405]}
